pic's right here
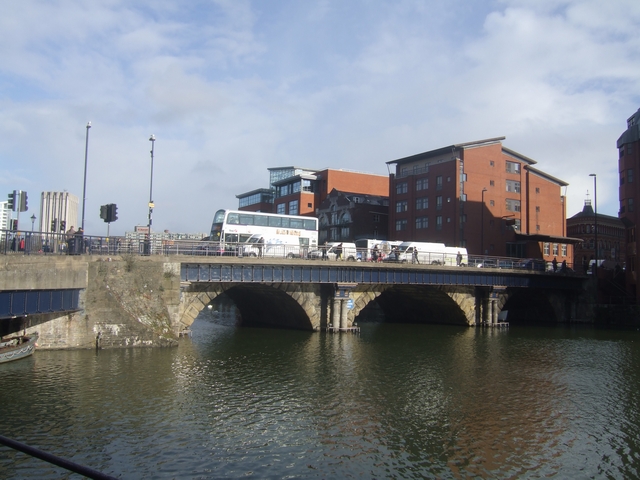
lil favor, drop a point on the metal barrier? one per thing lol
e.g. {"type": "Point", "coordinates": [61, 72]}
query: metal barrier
{"type": "Point", "coordinates": [44, 243]}
{"type": "Point", "coordinates": [60, 462]}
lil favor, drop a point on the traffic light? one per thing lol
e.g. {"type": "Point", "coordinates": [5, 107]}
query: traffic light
{"type": "Point", "coordinates": [14, 225]}
{"type": "Point", "coordinates": [12, 201]}
{"type": "Point", "coordinates": [54, 225]}
{"type": "Point", "coordinates": [63, 225]}
{"type": "Point", "coordinates": [112, 212]}
{"type": "Point", "coordinates": [23, 202]}
{"type": "Point", "coordinates": [104, 212]}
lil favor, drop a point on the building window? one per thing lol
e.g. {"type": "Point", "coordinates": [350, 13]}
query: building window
{"type": "Point", "coordinates": [439, 222]}
{"type": "Point", "coordinates": [555, 249]}
{"type": "Point", "coordinates": [538, 208]}
{"type": "Point", "coordinates": [401, 206]}
{"type": "Point", "coordinates": [512, 205]}
{"type": "Point", "coordinates": [513, 186]}
{"type": "Point", "coordinates": [376, 218]}
{"type": "Point", "coordinates": [448, 179]}
{"type": "Point", "coordinates": [401, 188]}
{"type": "Point", "coordinates": [492, 163]}
{"type": "Point", "coordinates": [401, 225]}
{"type": "Point", "coordinates": [513, 167]}
{"type": "Point", "coordinates": [621, 178]}
{"type": "Point", "coordinates": [293, 207]}
{"type": "Point", "coordinates": [422, 222]}
{"type": "Point", "coordinates": [629, 148]}
{"type": "Point", "coordinates": [516, 226]}
{"type": "Point", "coordinates": [545, 248]}
{"type": "Point", "coordinates": [344, 232]}
{"type": "Point", "coordinates": [630, 204]}
{"type": "Point", "coordinates": [463, 218]}
{"type": "Point", "coordinates": [630, 175]}
{"type": "Point", "coordinates": [422, 184]}
{"type": "Point", "coordinates": [492, 203]}
{"type": "Point", "coordinates": [537, 228]}
{"type": "Point", "coordinates": [439, 182]}
{"type": "Point", "coordinates": [537, 189]}
{"type": "Point", "coordinates": [422, 203]}
{"type": "Point", "coordinates": [439, 203]}
{"type": "Point", "coordinates": [281, 208]}
{"type": "Point", "coordinates": [492, 183]}
{"type": "Point", "coordinates": [564, 249]}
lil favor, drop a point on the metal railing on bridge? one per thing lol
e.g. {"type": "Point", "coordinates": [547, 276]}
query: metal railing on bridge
{"type": "Point", "coordinates": [46, 243]}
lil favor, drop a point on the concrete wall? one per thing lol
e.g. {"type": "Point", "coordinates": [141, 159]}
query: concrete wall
{"type": "Point", "coordinates": [127, 302]}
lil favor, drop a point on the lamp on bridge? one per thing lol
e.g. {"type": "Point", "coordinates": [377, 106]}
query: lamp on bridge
{"type": "Point", "coordinates": [595, 221]}
{"type": "Point", "coordinates": [482, 223]}
{"type": "Point", "coordinates": [152, 139]}
{"type": "Point", "coordinates": [33, 220]}
{"type": "Point", "coordinates": [84, 188]}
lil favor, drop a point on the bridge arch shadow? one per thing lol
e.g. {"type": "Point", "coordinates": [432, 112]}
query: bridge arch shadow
{"type": "Point", "coordinates": [413, 304]}
{"type": "Point", "coordinates": [258, 305]}
{"type": "Point", "coordinates": [532, 306]}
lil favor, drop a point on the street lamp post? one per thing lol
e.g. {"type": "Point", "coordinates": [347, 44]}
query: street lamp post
{"type": "Point", "coordinates": [595, 221]}
{"type": "Point", "coordinates": [33, 220]}
{"type": "Point", "coordinates": [482, 223]}
{"type": "Point", "coordinates": [152, 139]}
{"type": "Point", "coordinates": [84, 188]}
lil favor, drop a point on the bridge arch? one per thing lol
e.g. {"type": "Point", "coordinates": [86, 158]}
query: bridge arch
{"type": "Point", "coordinates": [418, 303]}
{"type": "Point", "coordinates": [278, 305]}
{"type": "Point", "coordinates": [529, 306]}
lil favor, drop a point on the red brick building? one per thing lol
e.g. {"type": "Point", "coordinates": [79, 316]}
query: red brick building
{"type": "Point", "coordinates": [482, 196]}
{"type": "Point", "coordinates": [611, 238]}
{"type": "Point", "coordinates": [629, 192]}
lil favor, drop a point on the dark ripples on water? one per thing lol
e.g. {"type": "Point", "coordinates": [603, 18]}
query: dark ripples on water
{"type": "Point", "coordinates": [401, 401]}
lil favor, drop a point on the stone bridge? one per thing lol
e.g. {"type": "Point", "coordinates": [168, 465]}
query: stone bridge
{"type": "Point", "coordinates": [146, 301]}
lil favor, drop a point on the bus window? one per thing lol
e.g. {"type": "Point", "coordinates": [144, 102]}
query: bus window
{"type": "Point", "coordinates": [310, 225]}
{"type": "Point", "coordinates": [295, 223]}
{"type": "Point", "coordinates": [275, 221]}
{"type": "Point", "coordinates": [261, 220]}
{"type": "Point", "coordinates": [233, 219]}
{"type": "Point", "coordinates": [215, 236]}
{"type": "Point", "coordinates": [246, 219]}
{"type": "Point", "coordinates": [285, 222]}
{"type": "Point", "coordinates": [219, 216]}
{"type": "Point", "coordinates": [231, 238]}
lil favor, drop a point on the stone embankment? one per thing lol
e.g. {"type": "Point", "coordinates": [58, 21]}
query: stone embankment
{"type": "Point", "coordinates": [125, 301]}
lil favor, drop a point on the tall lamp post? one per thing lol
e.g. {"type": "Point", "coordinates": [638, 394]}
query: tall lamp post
{"type": "Point", "coordinates": [152, 139]}
{"type": "Point", "coordinates": [482, 223]}
{"type": "Point", "coordinates": [33, 220]}
{"type": "Point", "coordinates": [595, 222]}
{"type": "Point", "coordinates": [84, 188]}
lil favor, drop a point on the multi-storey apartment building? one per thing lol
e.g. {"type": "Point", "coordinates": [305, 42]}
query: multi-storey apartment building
{"type": "Point", "coordinates": [629, 192]}
{"type": "Point", "coordinates": [482, 196]}
{"type": "Point", "coordinates": [610, 241]}
{"type": "Point", "coordinates": [58, 211]}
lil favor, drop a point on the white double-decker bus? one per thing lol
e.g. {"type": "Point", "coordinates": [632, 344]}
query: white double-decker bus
{"type": "Point", "coordinates": [264, 234]}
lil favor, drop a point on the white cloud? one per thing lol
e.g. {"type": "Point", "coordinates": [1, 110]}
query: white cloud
{"type": "Point", "coordinates": [230, 88]}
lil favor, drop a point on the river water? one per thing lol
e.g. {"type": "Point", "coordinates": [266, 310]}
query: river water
{"type": "Point", "coordinates": [395, 401]}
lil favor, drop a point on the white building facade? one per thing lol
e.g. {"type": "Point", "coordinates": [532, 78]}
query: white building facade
{"type": "Point", "coordinates": [58, 211]}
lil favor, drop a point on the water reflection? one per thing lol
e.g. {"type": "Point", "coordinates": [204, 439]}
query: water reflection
{"type": "Point", "coordinates": [409, 401]}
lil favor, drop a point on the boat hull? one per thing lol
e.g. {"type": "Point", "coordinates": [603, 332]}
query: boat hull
{"type": "Point", "coordinates": [25, 348]}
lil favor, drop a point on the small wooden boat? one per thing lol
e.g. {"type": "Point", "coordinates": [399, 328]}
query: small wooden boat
{"type": "Point", "coordinates": [17, 347]}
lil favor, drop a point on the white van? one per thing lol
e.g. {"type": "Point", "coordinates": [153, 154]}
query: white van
{"type": "Point", "coordinates": [423, 252]}
{"type": "Point", "coordinates": [429, 254]}
{"type": "Point", "coordinates": [348, 252]}
{"type": "Point", "coordinates": [452, 254]}
{"type": "Point", "coordinates": [365, 247]}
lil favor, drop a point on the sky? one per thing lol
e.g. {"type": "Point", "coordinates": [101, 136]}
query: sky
{"type": "Point", "coordinates": [230, 88]}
